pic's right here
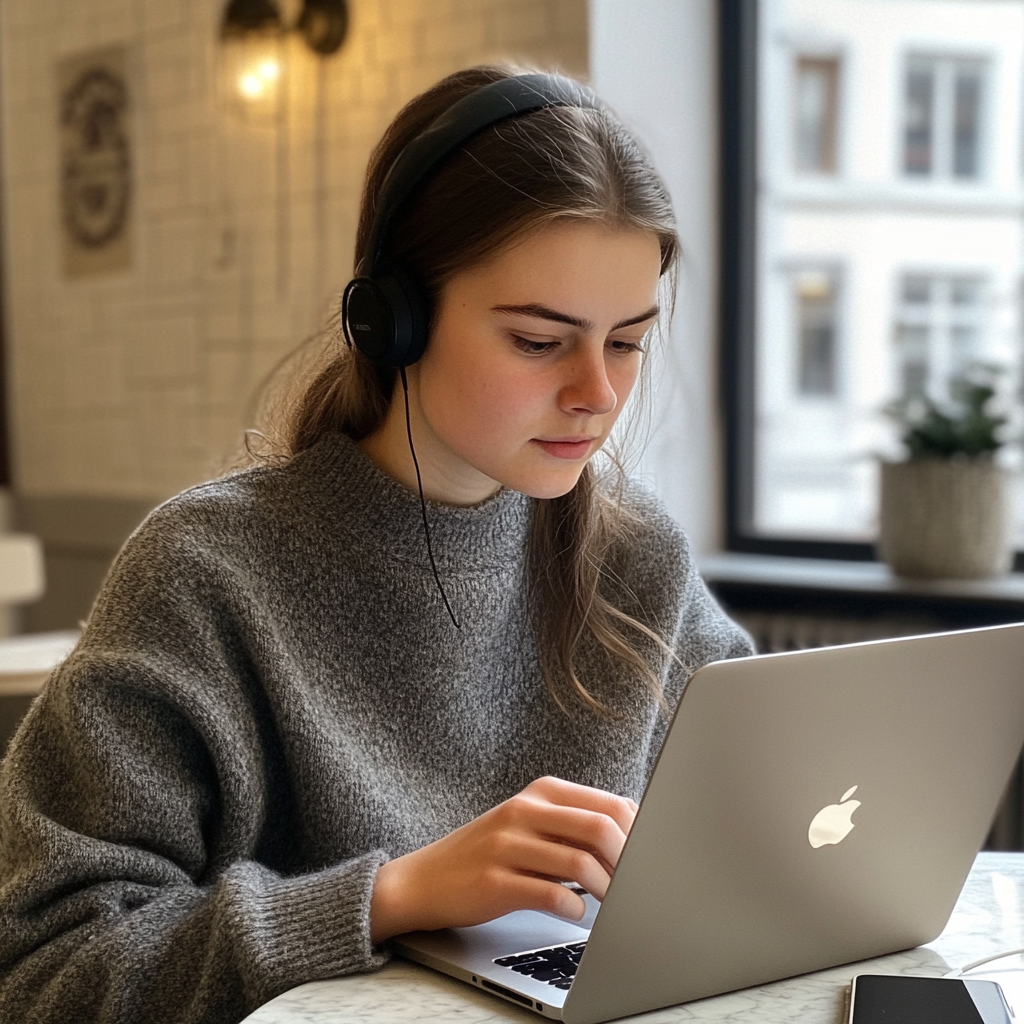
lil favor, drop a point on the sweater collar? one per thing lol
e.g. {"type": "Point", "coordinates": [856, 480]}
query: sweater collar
{"type": "Point", "coordinates": [381, 511]}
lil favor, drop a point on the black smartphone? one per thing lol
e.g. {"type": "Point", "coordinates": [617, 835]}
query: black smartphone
{"type": "Point", "coordinates": [897, 999]}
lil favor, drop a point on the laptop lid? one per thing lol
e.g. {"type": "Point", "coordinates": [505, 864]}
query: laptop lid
{"type": "Point", "coordinates": [807, 809]}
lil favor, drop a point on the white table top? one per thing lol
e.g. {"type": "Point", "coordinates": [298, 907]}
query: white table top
{"type": "Point", "coordinates": [27, 661]}
{"type": "Point", "coordinates": [988, 919]}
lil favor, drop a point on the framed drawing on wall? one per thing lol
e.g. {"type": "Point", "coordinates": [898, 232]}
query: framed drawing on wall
{"type": "Point", "coordinates": [95, 161]}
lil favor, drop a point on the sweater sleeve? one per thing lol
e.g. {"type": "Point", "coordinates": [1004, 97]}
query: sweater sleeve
{"type": "Point", "coordinates": [136, 803]}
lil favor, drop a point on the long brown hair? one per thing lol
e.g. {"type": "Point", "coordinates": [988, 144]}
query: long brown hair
{"type": "Point", "coordinates": [554, 164]}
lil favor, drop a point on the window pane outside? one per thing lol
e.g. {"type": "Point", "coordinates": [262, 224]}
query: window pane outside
{"type": "Point", "coordinates": [943, 116]}
{"type": "Point", "coordinates": [815, 319]}
{"type": "Point", "coordinates": [939, 332]}
{"type": "Point", "coordinates": [901, 266]}
{"type": "Point", "coordinates": [917, 150]}
{"type": "Point", "coordinates": [817, 87]}
{"type": "Point", "coordinates": [967, 122]}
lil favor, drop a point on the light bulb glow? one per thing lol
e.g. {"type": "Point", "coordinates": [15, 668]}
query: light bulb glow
{"type": "Point", "coordinates": [251, 86]}
{"type": "Point", "coordinates": [256, 83]}
{"type": "Point", "coordinates": [269, 70]}
{"type": "Point", "coordinates": [253, 73]}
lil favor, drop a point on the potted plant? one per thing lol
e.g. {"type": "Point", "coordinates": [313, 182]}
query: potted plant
{"type": "Point", "coordinates": [943, 509]}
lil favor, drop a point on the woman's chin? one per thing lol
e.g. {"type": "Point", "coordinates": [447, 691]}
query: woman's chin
{"type": "Point", "coordinates": [549, 486]}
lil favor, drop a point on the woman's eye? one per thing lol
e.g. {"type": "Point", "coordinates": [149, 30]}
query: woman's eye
{"type": "Point", "coordinates": [621, 345]}
{"type": "Point", "coordinates": [532, 347]}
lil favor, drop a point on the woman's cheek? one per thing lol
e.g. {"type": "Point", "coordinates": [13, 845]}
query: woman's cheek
{"type": "Point", "coordinates": [514, 403]}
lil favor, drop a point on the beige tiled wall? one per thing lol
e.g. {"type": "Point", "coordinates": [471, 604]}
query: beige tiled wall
{"type": "Point", "coordinates": [135, 384]}
{"type": "Point", "coordinates": [129, 386]}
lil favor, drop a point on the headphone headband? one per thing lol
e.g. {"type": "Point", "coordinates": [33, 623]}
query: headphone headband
{"type": "Point", "coordinates": [462, 121]}
{"type": "Point", "coordinates": [383, 312]}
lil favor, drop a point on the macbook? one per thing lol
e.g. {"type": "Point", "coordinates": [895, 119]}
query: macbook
{"type": "Point", "coordinates": [807, 809]}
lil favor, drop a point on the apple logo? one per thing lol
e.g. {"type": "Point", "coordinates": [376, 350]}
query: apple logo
{"type": "Point", "coordinates": [832, 824]}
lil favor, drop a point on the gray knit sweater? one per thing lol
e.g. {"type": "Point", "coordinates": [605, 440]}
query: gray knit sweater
{"type": "Point", "coordinates": [268, 701]}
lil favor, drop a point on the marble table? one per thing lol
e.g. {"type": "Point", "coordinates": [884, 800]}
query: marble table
{"type": "Point", "coordinates": [988, 919]}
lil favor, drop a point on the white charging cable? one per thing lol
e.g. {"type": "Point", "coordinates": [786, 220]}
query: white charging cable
{"type": "Point", "coordinates": [984, 960]}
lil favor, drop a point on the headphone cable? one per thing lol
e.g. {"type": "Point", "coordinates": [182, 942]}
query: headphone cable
{"type": "Point", "coordinates": [423, 501]}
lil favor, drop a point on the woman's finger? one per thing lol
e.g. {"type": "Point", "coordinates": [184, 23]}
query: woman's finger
{"type": "Point", "coordinates": [588, 828]}
{"type": "Point", "coordinates": [560, 863]}
{"type": "Point", "coordinates": [533, 893]}
{"type": "Point", "coordinates": [596, 833]}
{"type": "Point", "coordinates": [572, 794]}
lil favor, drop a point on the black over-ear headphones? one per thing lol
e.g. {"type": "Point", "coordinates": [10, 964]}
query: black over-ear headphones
{"type": "Point", "coordinates": [384, 313]}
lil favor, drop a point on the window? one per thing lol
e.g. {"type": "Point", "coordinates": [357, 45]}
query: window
{"type": "Point", "coordinates": [814, 295]}
{"type": "Point", "coordinates": [943, 118]}
{"type": "Point", "coordinates": [837, 301]}
{"type": "Point", "coordinates": [816, 93]}
{"type": "Point", "coordinates": [939, 331]}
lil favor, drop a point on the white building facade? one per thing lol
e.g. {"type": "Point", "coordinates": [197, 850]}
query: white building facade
{"type": "Point", "coordinates": [890, 243]}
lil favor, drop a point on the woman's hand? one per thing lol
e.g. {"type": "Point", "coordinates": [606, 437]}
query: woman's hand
{"type": "Point", "coordinates": [514, 857]}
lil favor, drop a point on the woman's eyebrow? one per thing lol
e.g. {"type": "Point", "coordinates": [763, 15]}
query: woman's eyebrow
{"type": "Point", "coordinates": [535, 309]}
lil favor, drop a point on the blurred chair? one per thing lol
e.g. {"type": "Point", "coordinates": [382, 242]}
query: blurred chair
{"type": "Point", "coordinates": [21, 573]}
{"type": "Point", "coordinates": [25, 661]}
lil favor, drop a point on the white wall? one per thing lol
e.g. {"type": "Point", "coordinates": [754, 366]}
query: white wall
{"type": "Point", "coordinates": [655, 62]}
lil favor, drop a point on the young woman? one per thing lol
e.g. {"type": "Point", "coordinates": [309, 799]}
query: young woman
{"type": "Point", "coordinates": [274, 746]}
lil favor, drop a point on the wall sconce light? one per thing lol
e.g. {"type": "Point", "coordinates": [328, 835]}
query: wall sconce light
{"type": "Point", "coordinates": [323, 24]}
{"type": "Point", "coordinates": [253, 31]}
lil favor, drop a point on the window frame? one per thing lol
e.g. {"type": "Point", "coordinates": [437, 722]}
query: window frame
{"type": "Point", "coordinates": [943, 66]}
{"type": "Point", "coordinates": [835, 272]}
{"type": "Point", "coordinates": [939, 316]}
{"type": "Point", "coordinates": [738, 152]}
{"type": "Point", "coordinates": [738, 62]}
{"type": "Point", "coordinates": [808, 57]}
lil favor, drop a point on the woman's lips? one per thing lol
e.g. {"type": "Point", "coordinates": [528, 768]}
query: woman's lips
{"type": "Point", "coordinates": [567, 449]}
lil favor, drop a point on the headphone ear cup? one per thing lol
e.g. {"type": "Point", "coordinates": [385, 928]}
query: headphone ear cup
{"type": "Point", "coordinates": [386, 318]}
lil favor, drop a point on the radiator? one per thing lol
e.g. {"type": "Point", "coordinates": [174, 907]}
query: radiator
{"type": "Point", "coordinates": [773, 632]}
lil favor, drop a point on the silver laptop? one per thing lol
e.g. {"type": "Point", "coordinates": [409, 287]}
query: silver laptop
{"type": "Point", "coordinates": [807, 810]}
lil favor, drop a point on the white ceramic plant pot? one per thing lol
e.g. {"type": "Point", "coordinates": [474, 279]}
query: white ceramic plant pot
{"type": "Point", "coordinates": [945, 518]}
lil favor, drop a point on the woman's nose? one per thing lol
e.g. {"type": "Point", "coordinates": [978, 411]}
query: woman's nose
{"type": "Point", "coordinates": [588, 389]}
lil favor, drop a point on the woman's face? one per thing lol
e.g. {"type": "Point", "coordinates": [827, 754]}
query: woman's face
{"type": "Point", "coordinates": [532, 358]}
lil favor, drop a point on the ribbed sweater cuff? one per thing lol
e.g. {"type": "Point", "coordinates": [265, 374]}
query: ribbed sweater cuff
{"type": "Point", "coordinates": [317, 926]}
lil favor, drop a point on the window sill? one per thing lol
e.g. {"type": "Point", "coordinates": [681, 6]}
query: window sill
{"type": "Point", "coordinates": [779, 584]}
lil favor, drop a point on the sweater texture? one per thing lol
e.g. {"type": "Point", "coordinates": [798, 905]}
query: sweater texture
{"type": "Point", "coordinates": [268, 701]}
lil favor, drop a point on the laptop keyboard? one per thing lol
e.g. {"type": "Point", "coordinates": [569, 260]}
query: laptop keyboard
{"type": "Point", "coordinates": [556, 966]}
